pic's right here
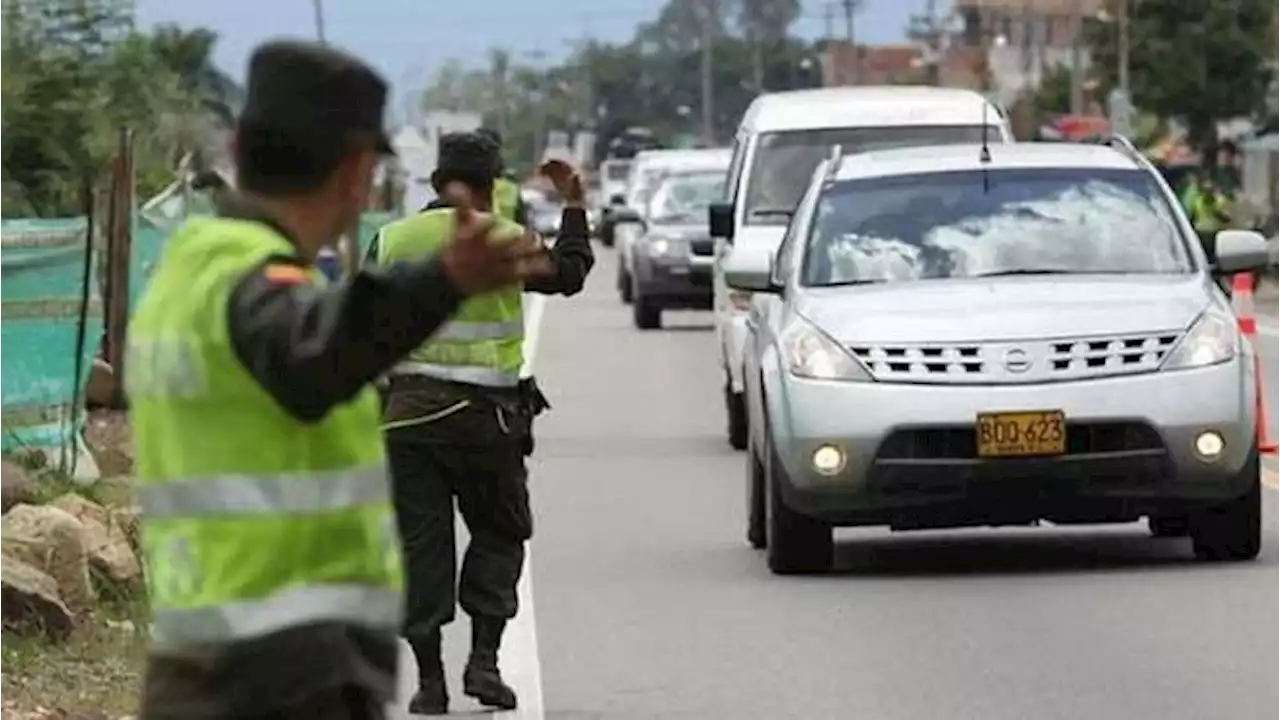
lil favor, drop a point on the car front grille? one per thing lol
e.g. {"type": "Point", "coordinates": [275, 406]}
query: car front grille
{"type": "Point", "coordinates": [960, 443]}
{"type": "Point", "coordinates": [1016, 362]}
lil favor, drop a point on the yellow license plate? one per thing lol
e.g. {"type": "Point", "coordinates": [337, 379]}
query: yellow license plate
{"type": "Point", "coordinates": [1013, 434]}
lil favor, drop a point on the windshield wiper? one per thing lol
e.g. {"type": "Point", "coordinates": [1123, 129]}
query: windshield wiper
{"type": "Point", "coordinates": [772, 212]}
{"type": "Point", "coordinates": [846, 283]}
{"type": "Point", "coordinates": [1025, 271]}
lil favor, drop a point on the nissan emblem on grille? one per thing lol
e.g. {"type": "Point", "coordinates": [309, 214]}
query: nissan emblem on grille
{"type": "Point", "coordinates": [1017, 361]}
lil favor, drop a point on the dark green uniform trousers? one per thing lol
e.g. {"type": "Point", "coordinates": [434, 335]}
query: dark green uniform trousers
{"type": "Point", "coordinates": [471, 452]}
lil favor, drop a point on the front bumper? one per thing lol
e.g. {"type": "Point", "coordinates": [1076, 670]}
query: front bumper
{"type": "Point", "coordinates": [682, 281]}
{"type": "Point", "coordinates": [910, 458]}
{"type": "Point", "coordinates": [732, 329]}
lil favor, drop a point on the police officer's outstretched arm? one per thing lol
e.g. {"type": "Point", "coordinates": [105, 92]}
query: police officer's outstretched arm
{"type": "Point", "coordinates": [572, 257]}
{"type": "Point", "coordinates": [313, 347]}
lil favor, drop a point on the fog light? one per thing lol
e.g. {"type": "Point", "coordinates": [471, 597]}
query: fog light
{"type": "Point", "coordinates": [1209, 445]}
{"type": "Point", "coordinates": [828, 460]}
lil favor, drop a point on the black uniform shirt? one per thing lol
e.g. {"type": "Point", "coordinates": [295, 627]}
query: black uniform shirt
{"type": "Point", "coordinates": [311, 348]}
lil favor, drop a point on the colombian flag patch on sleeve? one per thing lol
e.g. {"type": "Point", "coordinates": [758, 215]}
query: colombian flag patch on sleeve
{"type": "Point", "coordinates": [285, 274]}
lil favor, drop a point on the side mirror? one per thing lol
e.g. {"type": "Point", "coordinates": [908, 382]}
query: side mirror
{"type": "Point", "coordinates": [750, 272]}
{"type": "Point", "coordinates": [624, 215]}
{"type": "Point", "coordinates": [617, 200]}
{"type": "Point", "coordinates": [720, 220]}
{"type": "Point", "coordinates": [1239, 251]}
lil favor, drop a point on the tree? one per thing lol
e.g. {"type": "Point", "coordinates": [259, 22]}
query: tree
{"type": "Point", "coordinates": [1200, 61]}
{"type": "Point", "coordinates": [188, 54]}
{"type": "Point", "coordinates": [765, 23]}
{"type": "Point", "coordinates": [74, 72]}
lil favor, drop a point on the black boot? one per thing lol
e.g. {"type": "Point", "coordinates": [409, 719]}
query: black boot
{"type": "Point", "coordinates": [432, 697]}
{"type": "Point", "coordinates": [481, 680]}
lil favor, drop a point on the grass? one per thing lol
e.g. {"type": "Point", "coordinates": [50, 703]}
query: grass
{"type": "Point", "coordinates": [96, 672]}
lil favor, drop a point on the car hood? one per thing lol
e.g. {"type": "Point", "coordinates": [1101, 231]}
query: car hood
{"type": "Point", "coordinates": [1010, 308]}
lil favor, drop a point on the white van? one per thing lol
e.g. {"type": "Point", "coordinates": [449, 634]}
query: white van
{"type": "Point", "coordinates": [780, 141]}
{"type": "Point", "coordinates": [647, 171]}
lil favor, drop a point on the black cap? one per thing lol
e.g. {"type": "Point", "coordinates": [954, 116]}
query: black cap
{"type": "Point", "coordinates": [493, 135]}
{"type": "Point", "coordinates": [469, 157]}
{"type": "Point", "coordinates": [316, 88]}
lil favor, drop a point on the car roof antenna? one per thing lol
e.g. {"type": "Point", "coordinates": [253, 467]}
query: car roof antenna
{"type": "Point", "coordinates": [984, 155]}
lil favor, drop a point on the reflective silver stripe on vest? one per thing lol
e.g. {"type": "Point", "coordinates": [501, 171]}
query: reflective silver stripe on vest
{"type": "Point", "coordinates": [265, 494]}
{"type": "Point", "coordinates": [473, 374]}
{"type": "Point", "coordinates": [185, 628]}
{"type": "Point", "coordinates": [471, 330]}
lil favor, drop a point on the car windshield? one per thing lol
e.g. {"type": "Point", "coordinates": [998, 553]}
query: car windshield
{"type": "Point", "coordinates": [646, 182]}
{"type": "Point", "coordinates": [684, 198]}
{"type": "Point", "coordinates": [617, 171]}
{"type": "Point", "coordinates": [784, 161]}
{"type": "Point", "coordinates": [1002, 222]}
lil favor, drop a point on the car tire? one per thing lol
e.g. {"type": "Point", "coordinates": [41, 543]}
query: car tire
{"type": "Point", "coordinates": [644, 312]}
{"type": "Point", "coordinates": [1167, 526]}
{"type": "Point", "coordinates": [797, 544]}
{"type": "Point", "coordinates": [1232, 530]}
{"type": "Point", "coordinates": [625, 291]}
{"type": "Point", "coordinates": [735, 407]}
{"type": "Point", "coordinates": [757, 534]}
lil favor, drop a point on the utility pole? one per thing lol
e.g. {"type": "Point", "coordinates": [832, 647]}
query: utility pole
{"type": "Point", "coordinates": [708, 73]}
{"type": "Point", "coordinates": [1124, 46]}
{"type": "Point", "coordinates": [851, 7]}
{"type": "Point", "coordinates": [832, 67]}
{"type": "Point", "coordinates": [1077, 59]}
{"type": "Point", "coordinates": [318, 7]}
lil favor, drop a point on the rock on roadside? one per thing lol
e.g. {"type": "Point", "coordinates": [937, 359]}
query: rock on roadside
{"type": "Point", "coordinates": [105, 541]}
{"type": "Point", "coordinates": [17, 486]}
{"type": "Point", "coordinates": [30, 601]}
{"type": "Point", "coordinates": [51, 540]}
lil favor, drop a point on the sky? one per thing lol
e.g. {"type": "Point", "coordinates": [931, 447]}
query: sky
{"type": "Point", "coordinates": [406, 39]}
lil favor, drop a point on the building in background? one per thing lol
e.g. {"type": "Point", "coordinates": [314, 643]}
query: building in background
{"type": "Point", "coordinates": [1002, 46]}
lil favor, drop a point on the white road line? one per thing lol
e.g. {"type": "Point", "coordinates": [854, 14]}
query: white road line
{"type": "Point", "coordinates": [519, 657]}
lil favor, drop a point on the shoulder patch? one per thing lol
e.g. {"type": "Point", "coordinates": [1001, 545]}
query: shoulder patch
{"type": "Point", "coordinates": [286, 274]}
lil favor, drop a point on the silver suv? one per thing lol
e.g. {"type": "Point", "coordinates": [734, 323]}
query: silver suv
{"type": "Point", "coordinates": [959, 335]}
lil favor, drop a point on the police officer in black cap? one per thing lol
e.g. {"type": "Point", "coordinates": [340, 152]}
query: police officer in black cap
{"type": "Point", "coordinates": [289, 620]}
{"type": "Point", "coordinates": [506, 191]}
{"type": "Point", "coordinates": [459, 426]}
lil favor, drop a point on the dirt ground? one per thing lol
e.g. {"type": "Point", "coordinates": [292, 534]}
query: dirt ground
{"type": "Point", "coordinates": [95, 673]}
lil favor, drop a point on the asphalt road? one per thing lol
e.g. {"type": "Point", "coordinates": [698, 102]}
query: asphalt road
{"type": "Point", "coordinates": [646, 602]}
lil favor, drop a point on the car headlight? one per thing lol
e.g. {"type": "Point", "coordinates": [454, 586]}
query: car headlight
{"type": "Point", "coordinates": [664, 246]}
{"type": "Point", "coordinates": [810, 353]}
{"type": "Point", "coordinates": [1211, 340]}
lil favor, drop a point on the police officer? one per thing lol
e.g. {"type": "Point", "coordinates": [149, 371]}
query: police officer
{"type": "Point", "coordinates": [274, 570]}
{"type": "Point", "coordinates": [458, 425]}
{"type": "Point", "coordinates": [506, 191]}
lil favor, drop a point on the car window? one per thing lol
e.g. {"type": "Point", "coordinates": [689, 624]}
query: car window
{"type": "Point", "coordinates": [973, 223]}
{"type": "Point", "coordinates": [617, 171]}
{"type": "Point", "coordinates": [784, 161]}
{"type": "Point", "coordinates": [683, 198]}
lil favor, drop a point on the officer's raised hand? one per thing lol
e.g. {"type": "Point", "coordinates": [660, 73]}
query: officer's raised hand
{"type": "Point", "coordinates": [475, 260]}
{"type": "Point", "coordinates": [567, 181]}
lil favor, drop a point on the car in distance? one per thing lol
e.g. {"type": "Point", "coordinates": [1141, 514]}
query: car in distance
{"type": "Point", "coordinates": [671, 262]}
{"type": "Point", "coordinates": [999, 335]}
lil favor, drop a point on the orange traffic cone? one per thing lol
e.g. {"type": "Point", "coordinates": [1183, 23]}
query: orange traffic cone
{"type": "Point", "coordinates": [1242, 304]}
